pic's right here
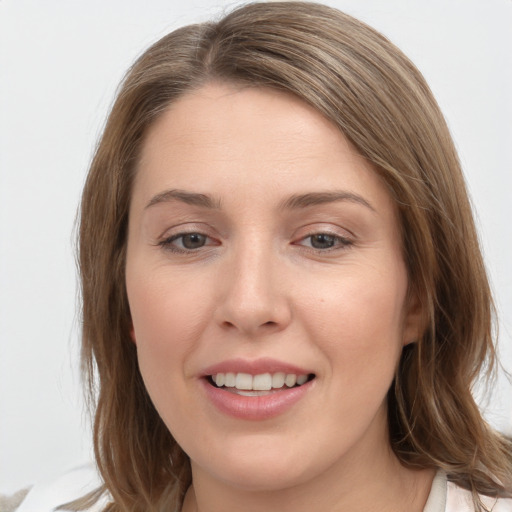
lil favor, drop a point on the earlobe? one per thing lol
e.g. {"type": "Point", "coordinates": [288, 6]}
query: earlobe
{"type": "Point", "coordinates": [414, 321]}
{"type": "Point", "coordinates": [132, 334]}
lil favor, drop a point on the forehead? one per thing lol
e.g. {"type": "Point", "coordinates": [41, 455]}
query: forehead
{"type": "Point", "coordinates": [250, 142]}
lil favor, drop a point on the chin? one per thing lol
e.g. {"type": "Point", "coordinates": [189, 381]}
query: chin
{"type": "Point", "coordinates": [260, 465]}
{"type": "Point", "coordinates": [248, 476]}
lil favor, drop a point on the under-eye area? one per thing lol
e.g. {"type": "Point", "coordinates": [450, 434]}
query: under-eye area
{"type": "Point", "coordinates": [256, 384]}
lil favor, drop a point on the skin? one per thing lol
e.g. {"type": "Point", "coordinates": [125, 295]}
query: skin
{"type": "Point", "coordinates": [262, 286]}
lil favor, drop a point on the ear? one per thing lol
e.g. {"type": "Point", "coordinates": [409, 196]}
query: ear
{"type": "Point", "coordinates": [414, 319]}
{"type": "Point", "coordinates": [132, 334]}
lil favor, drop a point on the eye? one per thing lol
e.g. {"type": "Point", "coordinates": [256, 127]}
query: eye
{"type": "Point", "coordinates": [185, 242]}
{"type": "Point", "coordinates": [192, 240]}
{"type": "Point", "coordinates": [324, 241]}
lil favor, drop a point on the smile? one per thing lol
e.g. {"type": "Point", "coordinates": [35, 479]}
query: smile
{"type": "Point", "coordinates": [256, 395]}
{"type": "Point", "coordinates": [246, 384]}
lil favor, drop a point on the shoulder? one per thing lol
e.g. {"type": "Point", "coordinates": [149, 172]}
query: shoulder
{"type": "Point", "coordinates": [460, 500]}
{"type": "Point", "coordinates": [48, 495]}
{"type": "Point", "coordinates": [447, 496]}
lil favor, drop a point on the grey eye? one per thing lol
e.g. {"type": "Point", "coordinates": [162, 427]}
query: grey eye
{"type": "Point", "coordinates": [322, 241]}
{"type": "Point", "coordinates": [193, 240]}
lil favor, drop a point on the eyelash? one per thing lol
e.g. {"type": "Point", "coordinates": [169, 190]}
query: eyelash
{"type": "Point", "coordinates": [168, 243]}
{"type": "Point", "coordinates": [339, 242]}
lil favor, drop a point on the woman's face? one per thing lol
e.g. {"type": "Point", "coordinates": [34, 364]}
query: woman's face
{"type": "Point", "coordinates": [263, 249]}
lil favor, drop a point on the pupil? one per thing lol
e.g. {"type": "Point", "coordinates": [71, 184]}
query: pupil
{"type": "Point", "coordinates": [193, 241]}
{"type": "Point", "coordinates": [322, 241]}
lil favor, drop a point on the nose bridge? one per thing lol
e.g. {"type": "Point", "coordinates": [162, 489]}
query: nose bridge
{"type": "Point", "coordinates": [252, 280]}
{"type": "Point", "coordinates": [253, 297]}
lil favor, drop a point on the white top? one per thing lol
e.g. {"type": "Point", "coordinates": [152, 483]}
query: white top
{"type": "Point", "coordinates": [47, 496]}
{"type": "Point", "coordinates": [449, 497]}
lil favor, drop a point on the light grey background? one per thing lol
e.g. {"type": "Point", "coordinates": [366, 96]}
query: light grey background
{"type": "Point", "coordinates": [60, 62]}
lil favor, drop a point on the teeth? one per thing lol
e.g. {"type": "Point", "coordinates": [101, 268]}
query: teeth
{"type": "Point", "coordinates": [220, 378]}
{"type": "Point", "coordinates": [260, 382]}
{"type": "Point", "coordinates": [243, 381]}
{"type": "Point", "coordinates": [301, 379]}
{"type": "Point", "coordinates": [278, 380]}
{"type": "Point", "coordinates": [290, 380]}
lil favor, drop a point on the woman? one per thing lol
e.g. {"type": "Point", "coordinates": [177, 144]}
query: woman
{"type": "Point", "coordinates": [284, 301]}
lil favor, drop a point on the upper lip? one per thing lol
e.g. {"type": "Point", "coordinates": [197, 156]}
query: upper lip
{"type": "Point", "coordinates": [254, 367]}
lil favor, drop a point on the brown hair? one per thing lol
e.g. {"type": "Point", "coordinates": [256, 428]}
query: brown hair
{"type": "Point", "coordinates": [361, 82]}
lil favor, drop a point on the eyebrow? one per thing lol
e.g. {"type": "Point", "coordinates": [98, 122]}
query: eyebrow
{"type": "Point", "coordinates": [192, 198]}
{"type": "Point", "coordinates": [319, 198]}
{"type": "Point", "coordinates": [294, 202]}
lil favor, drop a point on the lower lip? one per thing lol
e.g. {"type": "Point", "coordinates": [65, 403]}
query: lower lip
{"type": "Point", "coordinates": [255, 407]}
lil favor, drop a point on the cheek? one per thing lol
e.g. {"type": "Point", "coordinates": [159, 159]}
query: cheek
{"type": "Point", "coordinates": [168, 318]}
{"type": "Point", "coordinates": [166, 314]}
{"type": "Point", "coordinates": [361, 327]}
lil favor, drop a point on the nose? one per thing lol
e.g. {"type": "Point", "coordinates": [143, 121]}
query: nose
{"type": "Point", "coordinates": [254, 299]}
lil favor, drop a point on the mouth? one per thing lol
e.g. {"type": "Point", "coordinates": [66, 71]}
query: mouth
{"type": "Point", "coordinates": [245, 384]}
